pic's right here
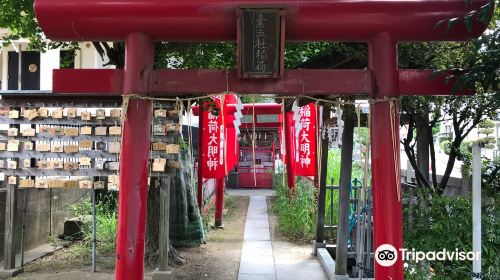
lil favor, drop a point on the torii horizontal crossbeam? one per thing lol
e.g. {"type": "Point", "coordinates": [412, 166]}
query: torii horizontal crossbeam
{"type": "Point", "coordinates": [208, 20]}
{"type": "Point", "coordinates": [294, 82]}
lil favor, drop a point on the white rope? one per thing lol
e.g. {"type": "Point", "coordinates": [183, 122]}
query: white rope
{"type": "Point", "coordinates": [327, 101]}
{"type": "Point", "coordinates": [393, 117]}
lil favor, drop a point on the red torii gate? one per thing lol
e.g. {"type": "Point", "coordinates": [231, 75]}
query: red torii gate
{"type": "Point", "coordinates": [381, 23]}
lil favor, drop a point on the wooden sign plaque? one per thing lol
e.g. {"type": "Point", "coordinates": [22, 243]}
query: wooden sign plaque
{"type": "Point", "coordinates": [261, 40]}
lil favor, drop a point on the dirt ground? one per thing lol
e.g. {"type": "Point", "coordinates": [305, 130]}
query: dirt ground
{"type": "Point", "coordinates": [218, 259]}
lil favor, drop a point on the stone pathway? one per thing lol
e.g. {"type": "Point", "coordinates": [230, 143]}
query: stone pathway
{"type": "Point", "coordinates": [262, 259]}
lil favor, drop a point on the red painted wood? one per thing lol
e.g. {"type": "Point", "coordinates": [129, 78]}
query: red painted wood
{"type": "Point", "coordinates": [88, 81]}
{"type": "Point", "coordinates": [294, 81]}
{"type": "Point", "coordinates": [260, 109]}
{"type": "Point", "coordinates": [316, 81]}
{"type": "Point", "coordinates": [215, 20]}
{"type": "Point", "coordinates": [385, 160]}
{"type": "Point", "coordinates": [247, 180]}
{"type": "Point", "coordinates": [260, 125]}
{"type": "Point", "coordinates": [219, 200]}
{"type": "Point", "coordinates": [134, 161]}
{"type": "Point", "coordinates": [422, 82]}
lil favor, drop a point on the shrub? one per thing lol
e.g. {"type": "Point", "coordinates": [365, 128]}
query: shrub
{"type": "Point", "coordinates": [446, 146]}
{"type": "Point", "coordinates": [296, 216]}
{"type": "Point", "coordinates": [106, 223]}
{"type": "Point", "coordinates": [446, 223]}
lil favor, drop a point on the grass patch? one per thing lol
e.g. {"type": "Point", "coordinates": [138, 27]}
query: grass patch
{"type": "Point", "coordinates": [106, 225]}
{"type": "Point", "coordinates": [297, 217]}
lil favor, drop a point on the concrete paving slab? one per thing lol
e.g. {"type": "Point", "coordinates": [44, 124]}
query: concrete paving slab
{"type": "Point", "coordinates": [257, 248]}
{"type": "Point", "coordinates": [250, 192]}
{"type": "Point", "coordinates": [257, 223]}
{"type": "Point", "coordinates": [260, 234]}
{"type": "Point", "coordinates": [299, 270]}
{"type": "Point", "coordinates": [256, 276]}
{"type": "Point", "coordinates": [263, 259]}
{"type": "Point", "coordinates": [257, 265]}
{"type": "Point", "coordinates": [257, 216]}
{"type": "Point", "coordinates": [29, 256]}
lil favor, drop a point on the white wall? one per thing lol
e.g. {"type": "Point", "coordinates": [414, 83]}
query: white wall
{"type": "Point", "coordinates": [86, 58]}
{"type": "Point", "coordinates": [48, 62]}
{"type": "Point", "coordinates": [2, 80]}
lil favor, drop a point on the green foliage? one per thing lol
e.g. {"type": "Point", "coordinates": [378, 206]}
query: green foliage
{"type": "Point", "coordinates": [491, 177]}
{"type": "Point", "coordinates": [442, 222]}
{"type": "Point", "coordinates": [333, 171]}
{"type": "Point", "coordinates": [487, 142]}
{"type": "Point", "coordinates": [445, 138]}
{"type": "Point", "coordinates": [106, 224]}
{"type": "Point", "coordinates": [446, 146]}
{"type": "Point", "coordinates": [487, 124]}
{"type": "Point", "coordinates": [18, 16]}
{"type": "Point", "coordinates": [466, 150]}
{"type": "Point", "coordinates": [436, 129]}
{"type": "Point", "coordinates": [297, 216]}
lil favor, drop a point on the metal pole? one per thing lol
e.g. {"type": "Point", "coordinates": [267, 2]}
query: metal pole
{"type": "Point", "coordinates": [23, 229]}
{"type": "Point", "coordinates": [386, 168]}
{"type": "Point", "coordinates": [50, 213]}
{"type": "Point", "coordinates": [332, 224]}
{"type": "Point", "coordinates": [94, 237]}
{"type": "Point", "coordinates": [134, 164]}
{"type": "Point", "coordinates": [476, 209]}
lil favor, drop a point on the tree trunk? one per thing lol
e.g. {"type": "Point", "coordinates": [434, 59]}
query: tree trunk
{"type": "Point", "coordinates": [449, 166]}
{"type": "Point", "coordinates": [186, 227]}
{"type": "Point", "coordinates": [345, 190]}
{"type": "Point", "coordinates": [433, 158]}
{"type": "Point", "coordinates": [423, 147]}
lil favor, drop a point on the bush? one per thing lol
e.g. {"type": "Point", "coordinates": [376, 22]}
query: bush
{"type": "Point", "coordinates": [444, 139]}
{"type": "Point", "coordinates": [297, 216]}
{"type": "Point", "coordinates": [491, 177]}
{"type": "Point", "coordinates": [106, 223]}
{"type": "Point", "coordinates": [446, 223]}
{"type": "Point", "coordinates": [446, 146]}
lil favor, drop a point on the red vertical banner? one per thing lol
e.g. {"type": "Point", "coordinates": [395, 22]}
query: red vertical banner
{"type": "Point", "coordinates": [290, 152]}
{"type": "Point", "coordinates": [219, 152]}
{"type": "Point", "coordinates": [232, 146]}
{"type": "Point", "coordinates": [305, 147]}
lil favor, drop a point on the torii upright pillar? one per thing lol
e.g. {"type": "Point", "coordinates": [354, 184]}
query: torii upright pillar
{"type": "Point", "coordinates": [134, 163]}
{"type": "Point", "coordinates": [211, 20]}
{"type": "Point", "coordinates": [386, 178]}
